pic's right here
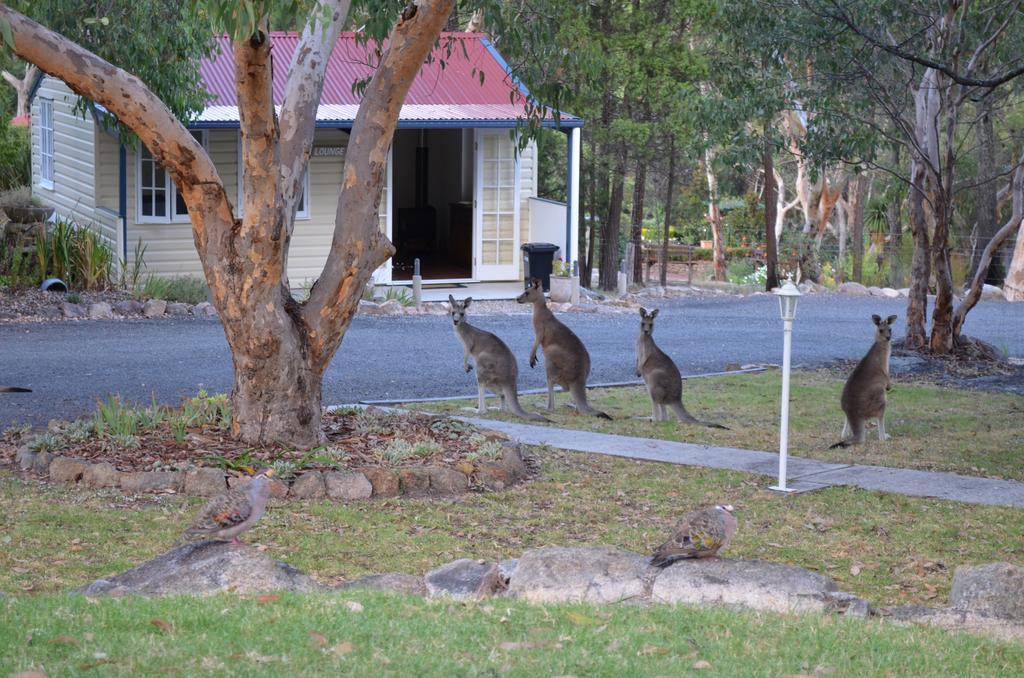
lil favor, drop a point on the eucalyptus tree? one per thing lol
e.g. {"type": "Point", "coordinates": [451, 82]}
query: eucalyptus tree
{"type": "Point", "coordinates": [280, 346]}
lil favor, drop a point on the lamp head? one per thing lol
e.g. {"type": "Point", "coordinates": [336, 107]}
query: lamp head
{"type": "Point", "coordinates": [788, 296]}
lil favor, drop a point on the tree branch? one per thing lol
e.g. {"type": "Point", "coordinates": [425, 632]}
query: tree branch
{"type": "Point", "coordinates": [358, 246]}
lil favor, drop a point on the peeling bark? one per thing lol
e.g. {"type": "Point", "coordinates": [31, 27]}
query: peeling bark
{"type": "Point", "coordinates": [858, 196]}
{"type": "Point", "coordinates": [714, 214]}
{"type": "Point", "coordinates": [770, 218]}
{"type": "Point", "coordinates": [22, 87]}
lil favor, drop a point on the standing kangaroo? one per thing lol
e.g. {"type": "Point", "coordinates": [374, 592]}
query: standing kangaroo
{"type": "Point", "coordinates": [566, 360]}
{"type": "Point", "coordinates": [864, 394]}
{"type": "Point", "coordinates": [664, 383]}
{"type": "Point", "coordinates": [496, 367]}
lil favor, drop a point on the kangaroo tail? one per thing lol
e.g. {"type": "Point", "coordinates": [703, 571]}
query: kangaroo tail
{"type": "Point", "coordinates": [687, 418]}
{"type": "Point", "coordinates": [14, 389]}
{"type": "Point", "coordinates": [579, 396]}
{"type": "Point", "coordinates": [513, 403]}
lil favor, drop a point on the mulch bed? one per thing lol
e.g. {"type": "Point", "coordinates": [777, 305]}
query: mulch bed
{"type": "Point", "coordinates": [33, 304]}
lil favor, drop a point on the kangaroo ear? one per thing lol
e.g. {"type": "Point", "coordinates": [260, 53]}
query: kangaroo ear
{"type": "Point", "coordinates": [891, 319]}
{"type": "Point", "coordinates": [536, 282]}
{"type": "Point", "coordinates": [654, 313]}
{"type": "Point", "coordinates": [643, 312]}
{"type": "Point", "coordinates": [465, 304]}
{"type": "Point", "coordinates": [876, 318]}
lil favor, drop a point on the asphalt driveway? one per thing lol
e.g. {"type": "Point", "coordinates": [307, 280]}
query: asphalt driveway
{"type": "Point", "coordinates": [69, 364]}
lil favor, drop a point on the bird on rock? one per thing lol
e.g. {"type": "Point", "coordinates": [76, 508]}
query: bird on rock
{"type": "Point", "coordinates": [699, 534]}
{"type": "Point", "coordinates": [230, 514]}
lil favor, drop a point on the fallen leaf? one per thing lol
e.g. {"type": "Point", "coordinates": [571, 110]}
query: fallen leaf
{"type": "Point", "coordinates": [34, 673]}
{"type": "Point", "coordinates": [318, 639]}
{"type": "Point", "coordinates": [268, 598]}
{"type": "Point", "coordinates": [518, 645]}
{"type": "Point", "coordinates": [648, 650]}
{"type": "Point", "coordinates": [66, 640]}
{"type": "Point", "coordinates": [855, 570]}
{"type": "Point", "coordinates": [701, 664]}
{"type": "Point", "coordinates": [582, 619]}
{"type": "Point", "coordinates": [162, 625]}
{"type": "Point", "coordinates": [354, 606]}
{"type": "Point", "coordinates": [87, 637]}
{"type": "Point", "coordinates": [342, 648]}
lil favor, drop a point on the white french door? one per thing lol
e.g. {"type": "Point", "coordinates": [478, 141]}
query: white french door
{"type": "Point", "coordinates": [496, 213]}
{"type": "Point", "coordinates": [382, 275]}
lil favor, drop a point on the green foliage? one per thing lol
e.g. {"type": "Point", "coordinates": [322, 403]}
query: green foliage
{"type": "Point", "coordinates": [17, 263]}
{"type": "Point", "coordinates": [115, 418]}
{"type": "Point", "coordinates": [15, 156]}
{"type": "Point", "coordinates": [131, 274]}
{"type": "Point", "coordinates": [207, 410]}
{"type": "Point", "coordinates": [184, 289]}
{"type": "Point", "coordinates": [399, 294]}
{"type": "Point", "coordinates": [76, 254]}
{"type": "Point", "coordinates": [46, 442]}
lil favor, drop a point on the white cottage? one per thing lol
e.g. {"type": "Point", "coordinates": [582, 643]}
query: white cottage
{"type": "Point", "coordinates": [458, 196]}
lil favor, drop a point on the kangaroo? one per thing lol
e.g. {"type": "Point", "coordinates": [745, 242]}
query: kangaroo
{"type": "Point", "coordinates": [566, 360]}
{"type": "Point", "coordinates": [664, 383]}
{"type": "Point", "coordinates": [864, 394]}
{"type": "Point", "coordinates": [496, 367]}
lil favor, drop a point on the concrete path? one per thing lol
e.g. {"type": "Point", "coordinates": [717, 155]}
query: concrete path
{"type": "Point", "coordinates": [804, 474]}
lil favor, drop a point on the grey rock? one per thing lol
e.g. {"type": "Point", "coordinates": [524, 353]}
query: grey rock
{"type": "Point", "coordinates": [390, 307]}
{"type": "Point", "coordinates": [204, 309]}
{"type": "Point", "coordinates": [41, 462]}
{"type": "Point", "coordinates": [69, 310]}
{"type": "Point", "coordinates": [750, 584]}
{"type": "Point", "coordinates": [50, 312]}
{"type": "Point", "coordinates": [904, 292]}
{"type": "Point", "coordinates": [176, 308]}
{"type": "Point", "coordinates": [368, 307]}
{"type": "Point", "coordinates": [398, 582]}
{"type": "Point", "coordinates": [890, 293]}
{"type": "Point", "coordinates": [990, 590]}
{"type": "Point", "coordinates": [101, 310]}
{"type": "Point", "coordinates": [66, 470]}
{"type": "Point", "coordinates": [205, 482]}
{"type": "Point", "coordinates": [24, 458]}
{"type": "Point", "coordinates": [385, 482]}
{"type": "Point", "coordinates": [507, 568]}
{"type": "Point", "coordinates": [444, 480]}
{"type": "Point", "coordinates": [128, 307]}
{"type": "Point", "coordinates": [492, 476]}
{"type": "Point", "coordinates": [512, 460]}
{"type": "Point", "coordinates": [955, 620]}
{"type": "Point", "coordinates": [347, 486]}
{"type": "Point", "coordinates": [154, 308]}
{"type": "Point", "coordinates": [414, 482]}
{"type": "Point", "coordinates": [992, 293]}
{"type": "Point", "coordinates": [151, 481]}
{"type": "Point", "coordinates": [103, 474]}
{"type": "Point", "coordinates": [595, 575]}
{"type": "Point", "coordinates": [310, 485]}
{"type": "Point", "coordinates": [875, 291]}
{"type": "Point", "coordinates": [205, 568]}
{"type": "Point", "coordinates": [854, 288]}
{"type": "Point", "coordinates": [464, 578]}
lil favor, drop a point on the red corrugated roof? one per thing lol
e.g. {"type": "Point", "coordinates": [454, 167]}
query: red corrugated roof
{"type": "Point", "coordinates": [457, 83]}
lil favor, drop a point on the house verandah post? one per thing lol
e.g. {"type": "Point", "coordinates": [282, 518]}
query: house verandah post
{"type": "Point", "coordinates": [572, 233]}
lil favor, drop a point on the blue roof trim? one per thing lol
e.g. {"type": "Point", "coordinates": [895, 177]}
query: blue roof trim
{"type": "Point", "coordinates": [410, 124]}
{"type": "Point", "coordinates": [35, 87]}
{"type": "Point", "coordinates": [523, 89]}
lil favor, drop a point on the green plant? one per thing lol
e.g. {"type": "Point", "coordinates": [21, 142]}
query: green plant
{"type": "Point", "coordinates": [207, 410]}
{"type": "Point", "coordinates": [76, 254]}
{"type": "Point", "coordinates": [93, 260]}
{"type": "Point", "coordinates": [126, 441]}
{"type": "Point", "coordinates": [20, 196]}
{"type": "Point", "coordinates": [114, 418]}
{"type": "Point", "coordinates": [184, 289]}
{"type": "Point", "coordinates": [243, 462]}
{"type": "Point", "coordinates": [738, 271]}
{"type": "Point", "coordinates": [78, 431]}
{"type": "Point", "coordinates": [131, 274]}
{"type": "Point", "coordinates": [16, 263]}
{"type": "Point", "coordinates": [15, 156]}
{"type": "Point", "coordinates": [285, 469]}
{"type": "Point", "coordinates": [46, 442]}
{"type": "Point", "coordinates": [178, 429]}
{"type": "Point", "coordinates": [399, 294]}
{"type": "Point", "coordinates": [73, 298]}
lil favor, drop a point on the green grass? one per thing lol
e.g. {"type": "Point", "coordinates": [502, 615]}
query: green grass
{"type": "Point", "coordinates": [906, 549]}
{"type": "Point", "coordinates": [393, 635]}
{"type": "Point", "coordinates": [184, 289]}
{"type": "Point", "coordinates": [933, 428]}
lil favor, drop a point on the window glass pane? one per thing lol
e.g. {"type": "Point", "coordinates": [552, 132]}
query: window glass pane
{"type": "Point", "coordinates": [180, 208]}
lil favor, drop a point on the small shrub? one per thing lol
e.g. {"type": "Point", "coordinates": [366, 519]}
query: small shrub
{"type": "Point", "coordinates": [178, 429]}
{"type": "Point", "coordinates": [15, 156]}
{"type": "Point", "coordinates": [125, 441]}
{"type": "Point", "coordinates": [114, 418]}
{"type": "Point", "coordinates": [46, 442]}
{"type": "Point", "coordinates": [131, 274]}
{"type": "Point", "coordinates": [738, 271]}
{"type": "Point", "coordinates": [184, 289]}
{"type": "Point", "coordinates": [73, 298]}
{"type": "Point", "coordinates": [207, 410]}
{"type": "Point", "coordinates": [19, 197]}
{"type": "Point", "coordinates": [399, 294]}
{"type": "Point", "coordinates": [396, 451]}
{"type": "Point", "coordinates": [491, 449]}
{"type": "Point", "coordinates": [76, 254]}
{"type": "Point", "coordinates": [78, 431]}
{"type": "Point", "coordinates": [285, 469]}
{"type": "Point", "coordinates": [17, 264]}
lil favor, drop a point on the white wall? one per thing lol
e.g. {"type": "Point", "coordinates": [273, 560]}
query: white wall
{"type": "Point", "coordinates": [547, 218]}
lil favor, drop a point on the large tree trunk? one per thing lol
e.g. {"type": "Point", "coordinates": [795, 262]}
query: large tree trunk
{"type": "Point", "coordinates": [22, 87]}
{"type": "Point", "coordinates": [920, 268]}
{"type": "Point", "coordinates": [895, 245]}
{"type": "Point", "coordinates": [669, 189]}
{"type": "Point", "coordinates": [858, 196]}
{"type": "Point", "coordinates": [771, 257]}
{"type": "Point", "coordinates": [714, 214]}
{"type": "Point", "coordinates": [609, 274]}
{"type": "Point", "coordinates": [841, 236]}
{"type": "Point", "coordinates": [941, 340]}
{"type": "Point", "coordinates": [637, 221]}
{"type": "Point", "coordinates": [986, 213]}
{"type": "Point", "coordinates": [280, 348]}
{"type": "Point", "coordinates": [822, 202]}
{"type": "Point", "coordinates": [1014, 285]}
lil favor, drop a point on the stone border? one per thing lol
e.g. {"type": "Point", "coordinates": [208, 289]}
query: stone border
{"type": "Point", "coordinates": [433, 480]}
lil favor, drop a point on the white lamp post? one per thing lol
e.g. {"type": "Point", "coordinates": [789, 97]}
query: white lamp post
{"type": "Point", "coordinates": [788, 296]}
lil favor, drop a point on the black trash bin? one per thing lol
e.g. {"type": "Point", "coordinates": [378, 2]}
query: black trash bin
{"type": "Point", "coordinates": [538, 260]}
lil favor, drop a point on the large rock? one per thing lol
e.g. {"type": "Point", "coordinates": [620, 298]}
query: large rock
{"type": "Point", "coordinates": [41, 462]}
{"type": "Point", "coordinates": [875, 291]}
{"type": "Point", "coordinates": [102, 474]}
{"type": "Point", "coordinates": [390, 307]}
{"type": "Point", "coordinates": [414, 481]}
{"type": "Point", "coordinates": [464, 578]}
{"type": "Point", "coordinates": [69, 310]}
{"type": "Point", "coordinates": [444, 480]}
{"type": "Point", "coordinates": [512, 460]}
{"type": "Point", "coordinates": [204, 309]}
{"type": "Point", "coordinates": [854, 288]}
{"type": "Point", "coordinates": [67, 470]}
{"type": "Point", "coordinates": [956, 620]}
{"type": "Point", "coordinates": [205, 568]}
{"type": "Point", "coordinates": [177, 308]}
{"type": "Point", "coordinates": [128, 307]}
{"type": "Point", "coordinates": [101, 310]}
{"type": "Point", "coordinates": [595, 575]}
{"type": "Point", "coordinates": [751, 584]}
{"type": "Point", "coordinates": [385, 482]}
{"type": "Point", "coordinates": [154, 308]}
{"type": "Point", "coordinates": [347, 486]}
{"type": "Point", "coordinates": [992, 293]}
{"type": "Point", "coordinates": [890, 293]}
{"type": "Point", "coordinates": [990, 590]}
{"type": "Point", "coordinates": [205, 482]}
{"type": "Point", "coordinates": [25, 458]}
{"type": "Point", "coordinates": [151, 481]}
{"type": "Point", "coordinates": [397, 582]}
{"type": "Point", "coordinates": [310, 485]}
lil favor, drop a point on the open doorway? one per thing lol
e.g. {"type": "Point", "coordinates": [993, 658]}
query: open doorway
{"type": "Point", "coordinates": [432, 178]}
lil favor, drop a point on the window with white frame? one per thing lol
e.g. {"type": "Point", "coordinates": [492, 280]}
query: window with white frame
{"type": "Point", "coordinates": [46, 143]}
{"type": "Point", "coordinates": [301, 209]}
{"type": "Point", "coordinates": [158, 200]}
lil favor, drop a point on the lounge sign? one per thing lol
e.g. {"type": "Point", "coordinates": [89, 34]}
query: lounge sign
{"type": "Point", "coordinates": [328, 151]}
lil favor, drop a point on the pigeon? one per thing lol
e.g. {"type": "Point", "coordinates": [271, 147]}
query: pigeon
{"type": "Point", "coordinates": [700, 534]}
{"type": "Point", "coordinates": [231, 513]}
